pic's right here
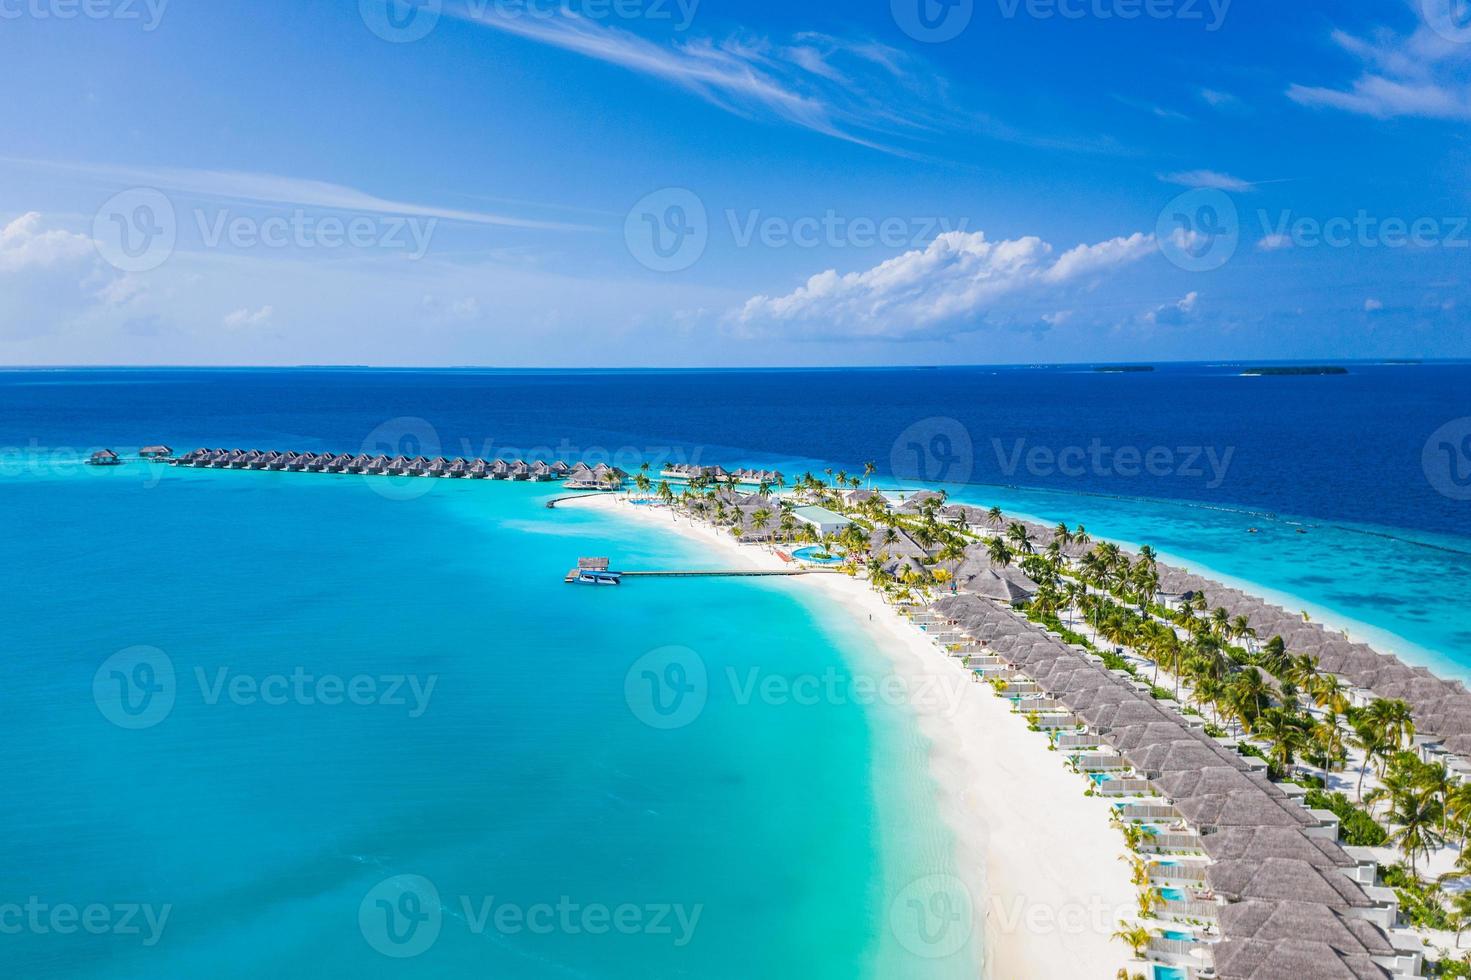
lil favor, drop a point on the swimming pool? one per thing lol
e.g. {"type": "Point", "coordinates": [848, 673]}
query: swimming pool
{"type": "Point", "coordinates": [1183, 937]}
{"type": "Point", "coordinates": [1169, 973]}
{"type": "Point", "coordinates": [1099, 778]}
{"type": "Point", "coordinates": [816, 555]}
{"type": "Point", "coordinates": [1173, 894]}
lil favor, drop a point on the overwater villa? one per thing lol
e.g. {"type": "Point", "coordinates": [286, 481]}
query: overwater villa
{"type": "Point", "coordinates": [104, 457]}
{"type": "Point", "coordinates": [155, 452]}
{"type": "Point", "coordinates": [579, 476]}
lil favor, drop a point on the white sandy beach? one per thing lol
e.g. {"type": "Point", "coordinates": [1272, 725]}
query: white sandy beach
{"type": "Point", "coordinates": [1040, 859]}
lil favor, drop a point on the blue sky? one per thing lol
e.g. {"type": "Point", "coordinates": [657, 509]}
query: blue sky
{"type": "Point", "coordinates": [711, 182]}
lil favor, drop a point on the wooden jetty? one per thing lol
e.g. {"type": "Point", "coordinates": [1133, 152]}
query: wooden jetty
{"type": "Point", "coordinates": [598, 571]}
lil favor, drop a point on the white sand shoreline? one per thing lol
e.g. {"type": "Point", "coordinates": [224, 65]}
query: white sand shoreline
{"type": "Point", "coordinates": [1038, 857]}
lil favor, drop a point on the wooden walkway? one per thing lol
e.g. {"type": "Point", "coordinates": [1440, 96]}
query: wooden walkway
{"type": "Point", "coordinates": [714, 573]}
{"type": "Point", "coordinates": [552, 504]}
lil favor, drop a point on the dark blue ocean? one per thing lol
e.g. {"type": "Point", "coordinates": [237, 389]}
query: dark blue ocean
{"type": "Point", "coordinates": [1342, 448]}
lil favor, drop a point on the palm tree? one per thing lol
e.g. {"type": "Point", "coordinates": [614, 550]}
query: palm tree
{"type": "Point", "coordinates": [1018, 534]}
{"type": "Point", "coordinates": [1368, 738]}
{"type": "Point", "coordinates": [1327, 748]}
{"type": "Point", "coordinates": [1061, 536]}
{"type": "Point", "coordinates": [995, 516]}
{"type": "Point", "coordinates": [1461, 911]}
{"type": "Point", "coordinates": [1286, 734]}
{"type": "Point", "coordinates": [1416, 815]}
{"type": "Point", "coordinates": [1136, 937]}
{"type": "Point", "coordinates": [1329, 693]}
{"type": "Point", "coordinates": [1393, 719]}
{"type": "Point", "coordinates": [760, 519]}
{"type": "Point", "coordinates": [998, 552]}
{"type": "Point", "coordinates": [1274, 657]}
{"type": "Point", "coordinates": [869, 468]}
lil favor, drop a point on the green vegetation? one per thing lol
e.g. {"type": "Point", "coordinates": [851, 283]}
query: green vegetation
{"type": "Point", "coordinates": [1420, 904]}
{"type": "Point", "coordinates": [1356, 827]}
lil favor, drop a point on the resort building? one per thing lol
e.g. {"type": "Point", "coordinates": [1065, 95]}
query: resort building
{"type": "Point", "coordinates": [155, 452]}
{"type": "Point", "coordinates": [820, 519]}
{"type": "Point", "coordinates": [1243, 881]}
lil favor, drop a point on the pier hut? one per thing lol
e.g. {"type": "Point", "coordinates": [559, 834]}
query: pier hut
{"type": "Point", "coordinates": [155, 453]}
{"type": "Point", "coordinates": [379, 465]}
{"type": "Point", "coordinates": [104, 457]}
{"type": "Point", "coordinates": [459, 468]}
{"type": "Point", "coordinates": [594, 571]}
{"type": "Point", "coordinates": [438, 467]}
{"type": "Point", "coordinates": [479, 469]}
{"type": "Point", "coordinates": [519, 470]}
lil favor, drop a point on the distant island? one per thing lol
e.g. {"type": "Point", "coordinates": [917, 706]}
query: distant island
{"type": "Point", "coordinates": [1277, 372]}
{"type": "Point", "coordinates": [1125, 369]}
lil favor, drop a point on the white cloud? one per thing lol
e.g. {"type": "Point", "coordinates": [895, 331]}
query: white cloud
{"type": "Point", "coordinates": [1172, 314]}
{"type": "Point", "coordinates": [959, 281]}
{"type": "Point", "coordinates": [48, 277]}
{"type": "Point", "coordinates": [246, 317]}
{"type": "Point", "coordinates": [1274, 243]}
{"type": "Point", "coordinates": [1424, 73]}
{"type": "Point", "coordinates": [1372, 305]}
{"type": "Point", "coordinates": [25, 244]}
{"type": "Point", "coordinates": [1207, 178]}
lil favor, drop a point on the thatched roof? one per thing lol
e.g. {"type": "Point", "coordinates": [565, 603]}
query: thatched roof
{"type": "Point", "coordinates": [1252, 959]}
{"type": "Point", "coordinates": [1260, 843]}
{"type": "Point", "coordinates": [1284, 880]}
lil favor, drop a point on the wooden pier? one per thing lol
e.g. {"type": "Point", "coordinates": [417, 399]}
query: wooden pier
{"type": "Point", "coordinates": [579, 574]}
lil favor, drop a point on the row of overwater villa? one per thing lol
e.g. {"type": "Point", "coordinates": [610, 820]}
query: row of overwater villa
{"type": "Point", "coordinates": [1245, 882]}
{"type": "Point", "coordinates": [577, 476]}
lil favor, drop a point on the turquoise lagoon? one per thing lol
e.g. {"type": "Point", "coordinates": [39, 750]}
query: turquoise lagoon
{"type": "Point", "coordinates": [528, 779]}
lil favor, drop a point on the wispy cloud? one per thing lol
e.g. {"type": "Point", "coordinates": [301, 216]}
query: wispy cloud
{"type": "Point", "coordinates": [259, 188]}
{"type": "Point", "coordinates": [1158, 111]}
{"type": "Point", "coordinates": [1212, 179]}
{"type": "Point", "coordinates": [247, 317]}
{"type": "Point", "coordinates": [860, 91]}
{"type": "Point", "coordinates": [960, 282]}
{"type": "Point", "coordinates": [1426, 73]}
